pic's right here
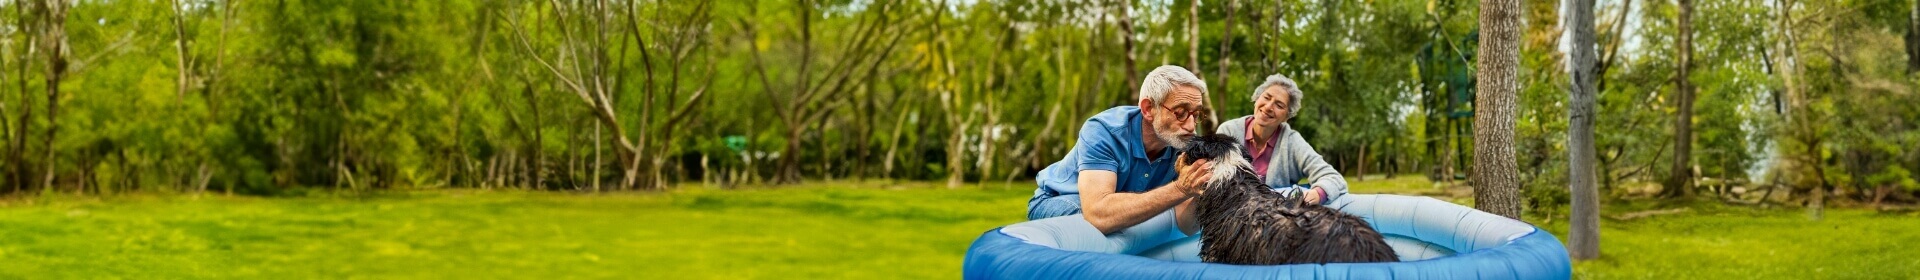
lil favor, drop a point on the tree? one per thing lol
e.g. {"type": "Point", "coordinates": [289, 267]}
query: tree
{"type": "Point", "coordinates": [1583, 238]}
{"type": "Point", "coordinates": [591, 76]}
{"type": "Point", "coordinates": [589, 62]}
{"type": "Point", "coordinates": [1193, 35]}
{"type": "Point", "coordinates": [53, 43]}
{"type": "Point", "coordinates": [1125, 24]}
{"type": "Point", "coordinates": [1496, 177]}
{"type": "Point", "coordinates": [18, 169]}
{"type": "Point", "coordinates": [1680, 178]}
{"type": "Point", "coordinates": [1222, 89]}
{"type": "Point", "coordinates": [193, 71]}
{"type": "Point", "coordinates": [1913, 37]}
{"type": "Point", "coordinates": [809, 97]}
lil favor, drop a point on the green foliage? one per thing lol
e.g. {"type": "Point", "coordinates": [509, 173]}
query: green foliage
{"type": "Point", "coordinates": [1894, 176]}
{"type": "Point", "coordinates": [293, 94]}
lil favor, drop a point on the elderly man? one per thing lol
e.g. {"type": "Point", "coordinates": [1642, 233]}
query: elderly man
{"type": "Point", "coordinates": [1279, 155]}
{"type": "Point", "coordinates": [1122, 171]}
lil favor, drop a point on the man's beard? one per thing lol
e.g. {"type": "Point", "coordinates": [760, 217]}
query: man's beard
{"type": "Point", "coordinates": [1172, 140]}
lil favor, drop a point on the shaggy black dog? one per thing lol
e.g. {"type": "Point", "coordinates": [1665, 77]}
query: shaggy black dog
{"type": "Point", "coordinates": [1245, 222]}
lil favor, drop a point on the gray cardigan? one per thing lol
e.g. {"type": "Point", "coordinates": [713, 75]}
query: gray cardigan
{"type": "Point", "coordinates": [1292, 160]}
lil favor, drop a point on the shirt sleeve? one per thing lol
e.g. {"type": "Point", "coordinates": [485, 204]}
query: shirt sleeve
{"type": "Point", "coordinates": [1099, 152]}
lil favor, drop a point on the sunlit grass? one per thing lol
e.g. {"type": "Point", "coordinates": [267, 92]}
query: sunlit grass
{"type": "Point", "coordinates": [1407, 184]}
{"type": "Point", "coordinates": [829, 230]}
{"type": "Point", "coordinates": [874, 231]}
{"type": "Point", "coordinates": [1713, 241]}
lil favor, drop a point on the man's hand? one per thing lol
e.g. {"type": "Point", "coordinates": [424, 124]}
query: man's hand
{"type": "Point", "coordinates": [1193, 177]}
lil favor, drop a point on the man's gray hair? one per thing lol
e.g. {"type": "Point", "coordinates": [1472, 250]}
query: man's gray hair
{"type": "Point", "coordinates": [1293, 90]}
{"type": "Point", "coordinates": [1164, 79]}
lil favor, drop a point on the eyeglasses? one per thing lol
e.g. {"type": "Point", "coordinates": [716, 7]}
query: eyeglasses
{"type": "Point", "coordinates": [1181, 115]}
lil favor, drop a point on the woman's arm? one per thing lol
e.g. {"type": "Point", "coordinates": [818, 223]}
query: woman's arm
{"type": "Point", "coordinates": [1320, 174]}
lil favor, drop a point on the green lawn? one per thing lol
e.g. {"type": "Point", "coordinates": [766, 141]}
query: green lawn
{"type": "Point", "coordinates": [866, 230]}
{"type": "Point", "coordinates": [1710, 240]}
{"type": "Point", "coordinates": [869, 231]}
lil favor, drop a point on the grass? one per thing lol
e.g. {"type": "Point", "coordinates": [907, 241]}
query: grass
{"type": "Point", "coordinates": [867, 231]}
{"type": "Point", "coordinates": [1711, 240]}
{"type": "Point", "coordinates": [836, 230]}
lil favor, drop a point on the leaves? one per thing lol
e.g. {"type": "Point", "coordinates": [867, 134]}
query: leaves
{"type": "Point", "coordinates": [287, 94]}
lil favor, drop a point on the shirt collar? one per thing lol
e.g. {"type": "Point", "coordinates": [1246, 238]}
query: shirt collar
{"type": "Point", "coordinates": [1134, 125]}
{"type": "Point", "coordinates": [1272, 138]}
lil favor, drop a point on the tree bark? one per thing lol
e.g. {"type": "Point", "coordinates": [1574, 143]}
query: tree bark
{"type": "Point", "coordinates": [589, 81]}
{"type": "Point", "coordinates": [1680, 179]}
{"type": "Point", "coordinates": [1126, 42]}
{"type": "Point", "coordinates": [1193, 36]}
{"type": "Point", "coordinates": [1913, 37]}
{"type": "Point", "coordinates": [17, 170]}
{"type": "Point", "coordinates": [1361, 163]}
{"type": "Point", "coordinates": [790, 160]}
{"type": "Point", "coordinates": [875, 37]}
{"type": "Point", "coordinates": [1496, 177]}
{"type": "Point", "coordinates": [956, 147]}
{"type": "Point", "coordinates": [54, 15]}
{"type": "Point", "coordinates": [1799, 121]}
{"type": "Point", "coordinates": [1226, 48]}
{"type": "Point", "coordinates": [539, 150]}
{"type": "Point", "coordinates": [184, 64]}
{"type": "Point", "coordinates": [1583, 237]}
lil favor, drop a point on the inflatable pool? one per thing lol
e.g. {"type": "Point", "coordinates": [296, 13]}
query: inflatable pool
{"type": "Point", "coordinates": [1433, 238]}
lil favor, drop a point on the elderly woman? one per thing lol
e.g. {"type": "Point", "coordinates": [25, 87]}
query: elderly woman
{"type": "Point", "coordinates": [1279, 155]}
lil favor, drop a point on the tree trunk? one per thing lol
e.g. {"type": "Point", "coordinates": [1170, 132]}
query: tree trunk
{"type": "Point", "coordinates": [17, 167]}
{"type": "Point", "coordinates": [1817, 207]}
{"type": "Point", "coordinates": [1680, 180]}
{"type": "Point", "coordinates": [1913, 37]}
{"type": "Point", "coordinates": [893, 141]}
{"type": "Point", "coordinates": [956, 159]}
{"type": "Point", "coordinates": [597, 165]}
{"type": "Point", "coordinates": [1226, 48]}
{"type": "Point", "coordinates": [180, 47]}
{"type": "Point", "coordinates": [1448, 160]}
{"type": "Point", "coordinates": [1799, 125]}
{"type": "Point", "coordinates": [790, 158]}
{"type": "Point", "coordinates": [1193, 37]}
{"type": "Point", "coordinates": [1126, 41]}
{"type": "Point", "coordinates": [1496, 177]}
{"type": "Point", "coordinates": [55, 38]}
{"type": "Point", "coordinates": [862, 143]}
{"type": "Point", "coordinates": [539, 151]}
{"type": "Point", "coordinates": [1583, 237]}
{"type": "Point", "coordinates": [1360, 173]}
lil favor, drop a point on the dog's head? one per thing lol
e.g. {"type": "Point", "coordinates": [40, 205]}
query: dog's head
{"type": "Point", "coordinates": [1220, 150]}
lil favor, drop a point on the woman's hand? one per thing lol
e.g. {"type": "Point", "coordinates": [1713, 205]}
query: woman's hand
{"type": "Point", "coordinates": [1313, 196]}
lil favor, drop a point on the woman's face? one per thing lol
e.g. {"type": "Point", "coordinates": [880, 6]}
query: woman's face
{"type": "Point", "coordinates": [1271, 108]}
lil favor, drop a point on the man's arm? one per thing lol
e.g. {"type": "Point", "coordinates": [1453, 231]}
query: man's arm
{"type": "Point", "coordinates": [1111, 211]}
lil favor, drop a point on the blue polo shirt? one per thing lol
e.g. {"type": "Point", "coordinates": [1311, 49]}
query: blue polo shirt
{"type": "Point", "coordinates": [1109, 141]}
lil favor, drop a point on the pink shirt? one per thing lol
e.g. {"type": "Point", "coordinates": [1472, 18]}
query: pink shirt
{"type": "Point", "coordinates": [1261, 154]}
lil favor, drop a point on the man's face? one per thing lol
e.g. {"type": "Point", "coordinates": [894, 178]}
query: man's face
{"type": "Point", "coordinates": [1173, 120]}
{"type": "Point", "coordinates": [1271, 108]}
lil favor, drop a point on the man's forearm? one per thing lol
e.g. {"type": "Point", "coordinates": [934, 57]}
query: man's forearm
{"type": "Point", "coordinates": [1116, 211]}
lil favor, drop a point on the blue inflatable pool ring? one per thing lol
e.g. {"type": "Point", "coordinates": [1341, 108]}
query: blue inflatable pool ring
{"type": "Point", "coordinates": [1433, 238]}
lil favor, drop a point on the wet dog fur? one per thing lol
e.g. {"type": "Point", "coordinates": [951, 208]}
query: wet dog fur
{"type": "Point", "coordinates": [1244, 222]}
